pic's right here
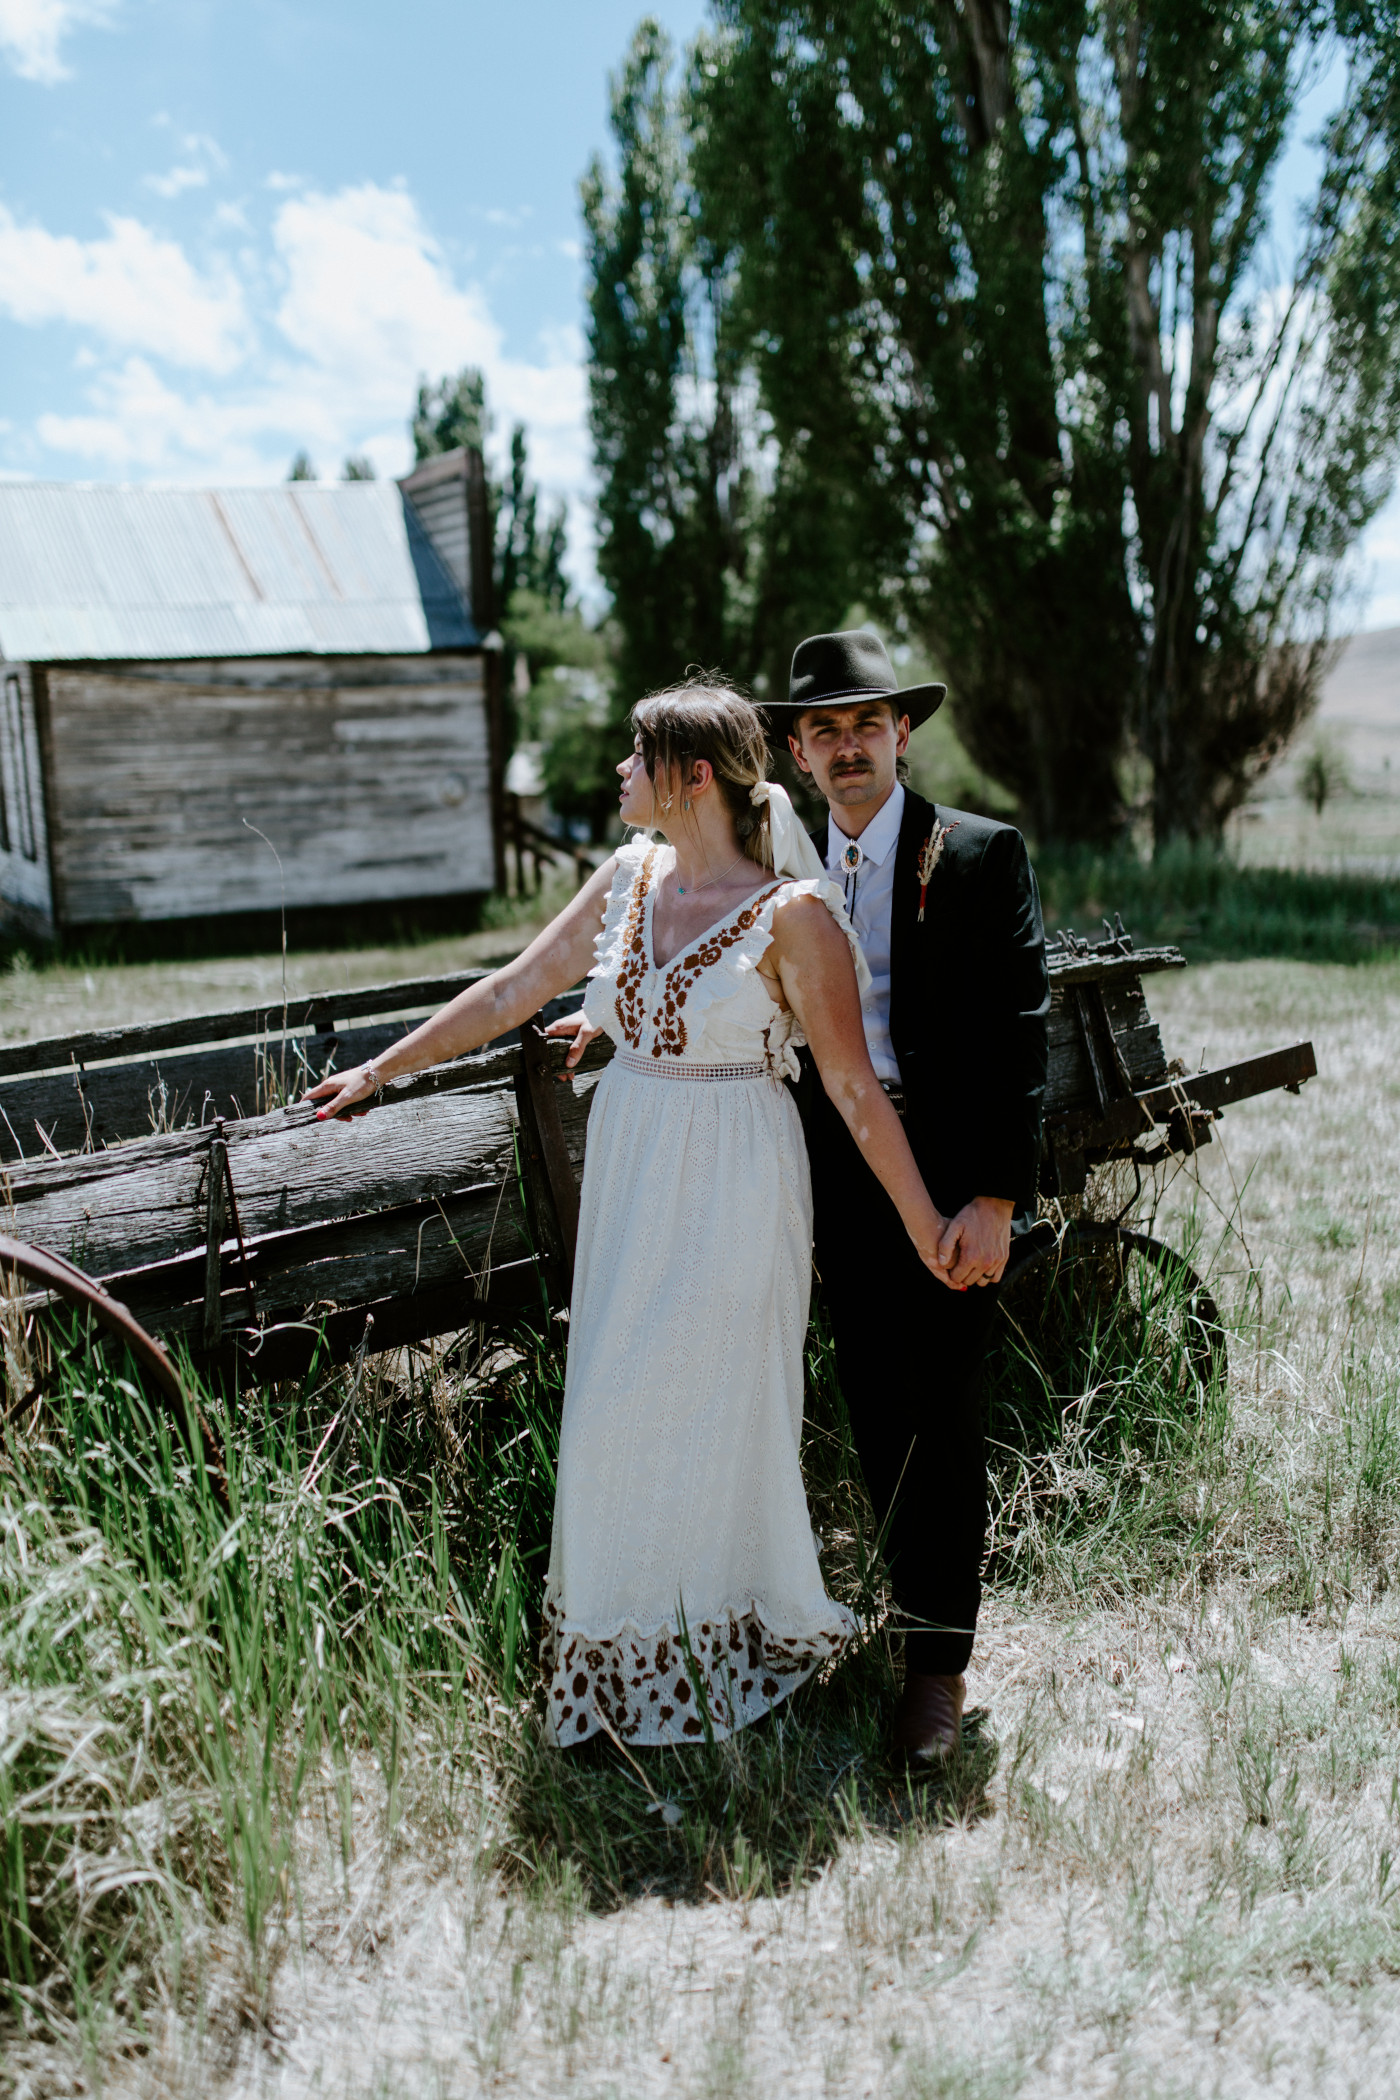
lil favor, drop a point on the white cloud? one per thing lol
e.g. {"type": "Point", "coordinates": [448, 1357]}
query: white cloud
{"type": "Point", "coordinates": [368, 292]}
{"type": "Point", "coordinates": [366, 304]}
{"type": "Point", "coordinates": [32, 33]}
{"type": "Point", "coordinates": [203, 158]}
{"type": "Point", "coordinates": [177, 179]}
{"type": "Point", "coordinates": [131, 287]}
{"type": "Point", "coordinates": [371, 304]}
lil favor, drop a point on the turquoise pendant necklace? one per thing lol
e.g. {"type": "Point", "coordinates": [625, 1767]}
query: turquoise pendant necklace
{"type": "Point", "coordinates": [696, 888]}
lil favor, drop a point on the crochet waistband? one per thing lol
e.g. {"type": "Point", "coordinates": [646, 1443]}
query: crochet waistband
{"type": "Point", "coordinates": [675, 1068]}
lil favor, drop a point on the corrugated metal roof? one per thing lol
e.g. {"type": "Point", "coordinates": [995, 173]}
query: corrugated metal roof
{"type": "Point", "coordinates": [342, 569]}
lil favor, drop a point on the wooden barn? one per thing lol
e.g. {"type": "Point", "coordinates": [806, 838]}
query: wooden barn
{"type": "Point", "coordinates": [181, 664]}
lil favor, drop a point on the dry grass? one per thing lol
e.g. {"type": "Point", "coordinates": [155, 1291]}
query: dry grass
{"type": "Point", "coordinates": [1167, 1869]}
{"type": "Point", "coordinates": [67, 995]}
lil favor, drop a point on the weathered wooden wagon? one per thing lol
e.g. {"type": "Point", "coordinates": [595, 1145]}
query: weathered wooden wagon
{"type": "Point", "coordinates": [184, 669]}
{"type": "Point", "coordinates": [256, 1241]}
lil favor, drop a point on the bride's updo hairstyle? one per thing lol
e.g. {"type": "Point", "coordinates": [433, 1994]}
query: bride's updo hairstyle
{"type": "Point", "coordinates": [705, 718]}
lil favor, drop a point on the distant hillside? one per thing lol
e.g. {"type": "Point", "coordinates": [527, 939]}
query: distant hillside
{"type": "Point", "coordinates": [1358, 720]}
{"type": "Point", "coordinates": [1365, 686]}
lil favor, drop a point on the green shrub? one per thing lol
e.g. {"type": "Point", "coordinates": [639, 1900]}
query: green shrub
{"type": "Point", "coordinates": [1213, 908]}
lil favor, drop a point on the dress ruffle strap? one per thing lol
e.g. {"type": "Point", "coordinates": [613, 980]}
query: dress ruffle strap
{"type": "Point", "coordinates": [608, 947]}
{"type": "Point", "coordinates": [731, 951]}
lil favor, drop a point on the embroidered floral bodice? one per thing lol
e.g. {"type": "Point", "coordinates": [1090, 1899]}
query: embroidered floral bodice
{"type": "Point", "coordinates": [708, 1005]}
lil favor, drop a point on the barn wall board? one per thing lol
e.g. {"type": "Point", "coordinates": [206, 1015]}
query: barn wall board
{"type": "Point", "coordinates": [370, 777]}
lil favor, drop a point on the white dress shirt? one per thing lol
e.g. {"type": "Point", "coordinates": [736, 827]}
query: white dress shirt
{"type": "Point", "coordinates": [869, 892]}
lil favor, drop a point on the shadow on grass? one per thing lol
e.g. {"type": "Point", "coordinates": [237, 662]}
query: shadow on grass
{"type": "Point", "coordinates": [1099, 1422]}
{"type": "Point", "coordinates": [750, 1817]}
{"type": "Point", "coordinates": [759, 1813]}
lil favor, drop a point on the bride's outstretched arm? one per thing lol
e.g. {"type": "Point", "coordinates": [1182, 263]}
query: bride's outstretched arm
{"type": "Point", "coordinates": [813, 960]}
{"type": "Point", "coordinates": [554, 960]}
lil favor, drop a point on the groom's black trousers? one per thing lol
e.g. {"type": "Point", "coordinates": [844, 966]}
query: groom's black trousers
{"type": "Point", "coordinates": [909, 1355]}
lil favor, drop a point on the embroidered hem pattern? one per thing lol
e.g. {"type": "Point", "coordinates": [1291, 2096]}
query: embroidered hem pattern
{"type": "Point", "coordinates": [642, 1687]}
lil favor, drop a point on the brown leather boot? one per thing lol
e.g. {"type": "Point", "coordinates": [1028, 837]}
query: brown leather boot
{"type": "Point", "coordinates": [928, 1719]}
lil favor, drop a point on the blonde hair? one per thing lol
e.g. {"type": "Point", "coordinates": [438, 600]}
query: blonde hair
{"type": "Point", "coordinates": [705, 717]}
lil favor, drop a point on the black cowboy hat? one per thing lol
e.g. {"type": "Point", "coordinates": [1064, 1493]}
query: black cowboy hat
{"type": "Point", "coordinates": [834, 670]}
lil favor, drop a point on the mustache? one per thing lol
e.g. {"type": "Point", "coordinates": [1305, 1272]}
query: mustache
{"type": "Point", "coordinates": [852, 765]}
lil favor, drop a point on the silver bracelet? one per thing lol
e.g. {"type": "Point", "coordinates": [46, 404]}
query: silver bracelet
{"type": "Point", "coordinates": [375, 1075]}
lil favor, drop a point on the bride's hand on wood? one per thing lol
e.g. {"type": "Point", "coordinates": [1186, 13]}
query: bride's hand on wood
{"type": "Point", "coordinates": [583, 1033]}
{"type": "Point", "coordinates": [342, 1091]}
{"type": "Point", "coordinates": [491, 1007]}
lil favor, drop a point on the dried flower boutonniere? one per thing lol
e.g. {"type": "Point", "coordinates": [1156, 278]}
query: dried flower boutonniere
{"type": "Point", "coordinates": [930, 853]}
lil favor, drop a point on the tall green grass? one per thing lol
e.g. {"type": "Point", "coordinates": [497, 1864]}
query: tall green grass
{"type": "Point", "coordinates": [200, 1706]}
{"type": "Point", "coordinates": [1216, 909]}
{"type": "Point", "coordinates": [1102, 1407]}
{"type": "Point", "coordinates": [179, 1683]}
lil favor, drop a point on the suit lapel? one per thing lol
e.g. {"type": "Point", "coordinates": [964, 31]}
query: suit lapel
{"type": "Point", "coordinates": [910, 942]}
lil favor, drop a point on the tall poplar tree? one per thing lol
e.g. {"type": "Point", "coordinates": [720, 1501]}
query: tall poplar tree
{"type": "Point", "coordinates": [718, 546]}
{"type": "Point", "coordinates": [1001, 308]}
{"type": "Point", "coordinates": [1135, 452]}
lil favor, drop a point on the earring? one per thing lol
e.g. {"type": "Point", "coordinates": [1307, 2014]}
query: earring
{"type": "Point", "coordinates": [687, 801]}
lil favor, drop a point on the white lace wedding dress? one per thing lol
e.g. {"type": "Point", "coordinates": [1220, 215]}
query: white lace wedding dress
{"type": "Point", "coordinates": [680, 1520]}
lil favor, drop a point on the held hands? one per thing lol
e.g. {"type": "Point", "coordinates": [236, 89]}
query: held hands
{"type": "Point", "coordinates": [975, 1244]}
{"type": "Point", "coordinates": [342, 1090]}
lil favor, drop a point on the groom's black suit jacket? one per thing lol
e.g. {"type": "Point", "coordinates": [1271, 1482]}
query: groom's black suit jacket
{"type": "Point", "coordinates": [969, 1001]}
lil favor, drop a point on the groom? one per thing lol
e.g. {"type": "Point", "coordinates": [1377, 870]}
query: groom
{"type": "Point", "coordinates": [946, 909]}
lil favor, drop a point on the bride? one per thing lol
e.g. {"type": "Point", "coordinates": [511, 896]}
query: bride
{"type": "Point", "coordinates": [683, 1581]}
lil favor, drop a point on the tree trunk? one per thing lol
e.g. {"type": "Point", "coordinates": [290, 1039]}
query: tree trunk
{"type": "Point", "coordinates": [1053, 741]}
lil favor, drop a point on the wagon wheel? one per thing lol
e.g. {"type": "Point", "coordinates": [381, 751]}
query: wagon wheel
{"type": "Point", "coordinates": [66, 1281]}
{"type": "Point", "coordinates": [1098, 1319]}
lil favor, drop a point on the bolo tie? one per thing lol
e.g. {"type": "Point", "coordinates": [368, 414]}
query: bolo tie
{"type": "Point", "coordinates": [851, 862]}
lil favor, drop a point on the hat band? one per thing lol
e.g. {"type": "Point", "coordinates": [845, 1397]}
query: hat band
{"type": "Point", "coordinates": [854, 692]}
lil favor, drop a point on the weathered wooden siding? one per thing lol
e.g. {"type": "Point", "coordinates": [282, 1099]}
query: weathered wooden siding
{"type": "Point", "coordinates": [24, 839]}
{"type": "Point", "coordinates": [370, 776]}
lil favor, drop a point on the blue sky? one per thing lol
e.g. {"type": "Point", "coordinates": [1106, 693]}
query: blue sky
{"type": "Point", "coordinates": [231, 228]}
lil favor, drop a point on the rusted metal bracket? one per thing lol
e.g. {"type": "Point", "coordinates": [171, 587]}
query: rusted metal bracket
{"type": "Point", "coordinates": [221, 1194]}
{"type": "Point", "coordinates": [543, 1127]}
{"type": "Point", "coordinates": [55, 1274]}
{"type": "Point", "coordinates": [1085, 1019]}
{"type": "Point", "coordinates": [213, 1243]}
